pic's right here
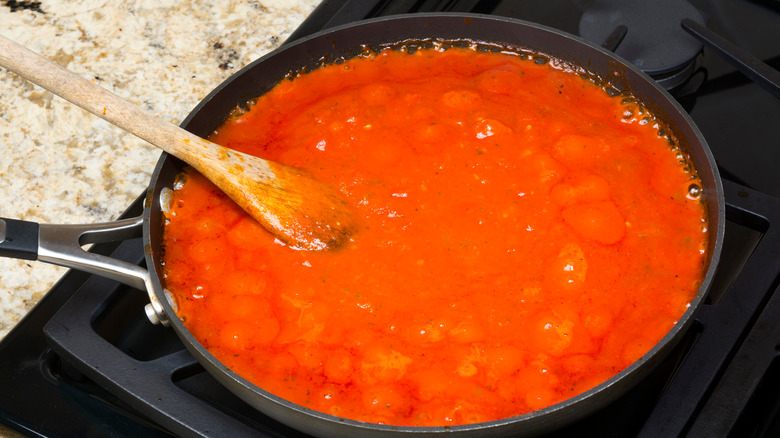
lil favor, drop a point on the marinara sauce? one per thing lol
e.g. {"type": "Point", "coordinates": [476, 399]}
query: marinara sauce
{"type": "Point", "coordinates": [524, 237]}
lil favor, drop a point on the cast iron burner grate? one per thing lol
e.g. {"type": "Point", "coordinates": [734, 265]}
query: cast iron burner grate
{"type": "Point", "coordinates": [717, 382]}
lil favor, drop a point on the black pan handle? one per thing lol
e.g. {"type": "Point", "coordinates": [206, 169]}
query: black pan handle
{"type": "Point", "coordinates": [19, 239]}
{"type": "Point", "coordinates": [62, 245]}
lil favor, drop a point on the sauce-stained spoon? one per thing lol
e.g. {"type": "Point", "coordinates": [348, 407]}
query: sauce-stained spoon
{"type": "Point", "coordinates": [288, 202]}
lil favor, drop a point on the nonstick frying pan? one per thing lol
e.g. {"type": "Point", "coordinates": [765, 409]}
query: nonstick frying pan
{"type": "Point", "coordinates": [60, 244]}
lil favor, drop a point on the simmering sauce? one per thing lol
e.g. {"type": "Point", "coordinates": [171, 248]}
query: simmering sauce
{"type": "Point", "coordinates": [524, 237]}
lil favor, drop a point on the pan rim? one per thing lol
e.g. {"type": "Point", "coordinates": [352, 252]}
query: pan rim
{"type": "Point", "coordinates": [535, 421]}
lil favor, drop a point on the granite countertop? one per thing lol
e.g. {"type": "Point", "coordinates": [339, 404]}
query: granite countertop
{"type": "Point", "coordinates": [60, 164]}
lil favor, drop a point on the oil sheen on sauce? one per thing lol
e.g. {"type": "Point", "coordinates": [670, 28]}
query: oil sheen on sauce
{"type": "Point", "coordinates": [524, 237]}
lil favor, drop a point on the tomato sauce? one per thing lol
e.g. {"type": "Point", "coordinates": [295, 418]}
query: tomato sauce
{"type": "Point", "coordinates": [524, 237]}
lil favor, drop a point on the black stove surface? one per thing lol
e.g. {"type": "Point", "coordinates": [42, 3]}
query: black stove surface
{"type": "Point", "coordinates": [86, 362]}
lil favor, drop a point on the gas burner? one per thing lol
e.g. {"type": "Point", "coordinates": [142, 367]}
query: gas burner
{"type": "Point", "coordinates": [655, 41]}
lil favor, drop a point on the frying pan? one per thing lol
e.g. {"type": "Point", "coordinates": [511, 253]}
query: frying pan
{"type": "Point", "coordinates": [60, 244]}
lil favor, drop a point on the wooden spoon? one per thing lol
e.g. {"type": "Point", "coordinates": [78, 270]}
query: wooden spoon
{"type": "Point", "coordinates": [288, 202]}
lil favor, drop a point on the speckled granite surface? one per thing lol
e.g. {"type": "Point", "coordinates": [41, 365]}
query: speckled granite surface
{"type": "Point", "coordinates": [59, 164]}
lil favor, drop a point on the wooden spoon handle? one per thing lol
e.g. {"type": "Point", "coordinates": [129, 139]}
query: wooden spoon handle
{"type": "Point", "coordinates": [290, 203]}
{"type": "Point", "coordinates": [95, 99]}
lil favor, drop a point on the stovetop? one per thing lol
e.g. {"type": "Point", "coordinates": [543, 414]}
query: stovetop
{"type": "Point", "coordinates": [86, 362]}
